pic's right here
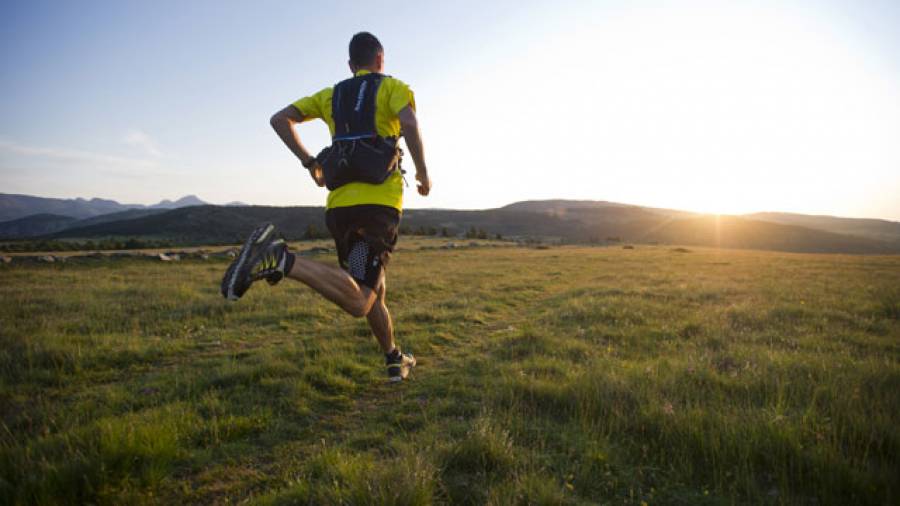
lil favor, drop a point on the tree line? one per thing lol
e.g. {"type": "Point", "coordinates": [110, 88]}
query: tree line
{"type": "Point", "coordinates": [311, 232]}
{"type": "Point", "coordinates": [314, 232]}
{"type": "Point", "coordinates": [89, 245]}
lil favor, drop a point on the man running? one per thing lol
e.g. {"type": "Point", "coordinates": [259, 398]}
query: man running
{"type": "Point", "coordinates": [366, 115]}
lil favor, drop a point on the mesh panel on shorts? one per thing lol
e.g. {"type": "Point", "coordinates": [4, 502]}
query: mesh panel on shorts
{"type": "Point", "coordinates": [356, 260]}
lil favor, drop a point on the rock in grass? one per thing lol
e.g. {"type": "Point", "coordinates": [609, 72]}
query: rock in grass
{"type": "Point", "coordinates": [228, 253]}
{"type": "Point", "coordinates": [200, 254]}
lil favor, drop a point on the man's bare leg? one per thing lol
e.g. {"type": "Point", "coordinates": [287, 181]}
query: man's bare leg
{"type": "Point", "coordinates": [339, 287]}
{"type": "Point", "coordinates": [380, 319]}
{"type": "Point", "coordinates": [336, 285]}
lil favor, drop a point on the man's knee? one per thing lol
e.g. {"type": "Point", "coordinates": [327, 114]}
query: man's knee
{"type": "Point", "coordinates": [361, 307]}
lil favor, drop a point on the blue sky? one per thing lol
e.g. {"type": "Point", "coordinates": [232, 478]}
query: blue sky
{"type": "Point", "coordinates": [708, 106]}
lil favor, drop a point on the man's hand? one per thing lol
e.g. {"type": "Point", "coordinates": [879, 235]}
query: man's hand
{"type": "Point", "coordinates": [317, 174]}
{"type": "Point", "coordinates": [424, 185]}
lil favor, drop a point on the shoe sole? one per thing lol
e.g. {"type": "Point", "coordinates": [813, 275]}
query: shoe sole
{"type": "Point", "coordinates": [257, 237]}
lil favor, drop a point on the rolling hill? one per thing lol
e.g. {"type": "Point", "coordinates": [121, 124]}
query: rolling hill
{"type": "Point", "coordinates": [742, 233]}
{"type": "Point", "coordinates": [549, 221]}
{"type": "Point", "coordinates": [119, 216]}
{"type": "Point", "coordinates": [204, 224]}
{"type": "Point", "coordinates": [882, 230]}
{"type": "Point", "coordinates": [190, 221]}
{"type": "Point", "coordinates": [38, 225]}
{"type": "Point", "coordinates": [35, 225]}
{"type": "Point", "coordinates": [564, 207]}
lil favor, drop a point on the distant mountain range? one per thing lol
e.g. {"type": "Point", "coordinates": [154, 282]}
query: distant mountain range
{"type": "Point", "coordinates": [550, 220]}
{"type": "Point", "coordinates": [20, 206]}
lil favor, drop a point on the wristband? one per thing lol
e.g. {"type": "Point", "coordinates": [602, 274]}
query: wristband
{"type": "Point", "coordinates": [310, 163]}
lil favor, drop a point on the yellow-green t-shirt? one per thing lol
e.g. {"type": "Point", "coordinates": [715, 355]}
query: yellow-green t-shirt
{"type": "Point", "coordinates": [393, 95]}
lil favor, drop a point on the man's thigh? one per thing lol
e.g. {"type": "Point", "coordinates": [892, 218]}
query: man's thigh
{"type": "Point", "coordinates": [364, 237]}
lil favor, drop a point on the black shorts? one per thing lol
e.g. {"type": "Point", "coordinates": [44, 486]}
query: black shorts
{"type": "Point", "coordinates": [365, 237]}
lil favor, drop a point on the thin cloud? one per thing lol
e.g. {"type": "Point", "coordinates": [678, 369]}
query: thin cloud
{"type": "Point", "coordinates": [142, 140]}
{"type": "Point", "coordinates": [71, 155]}
{"type": "Point", "coordinates": [33, 174]}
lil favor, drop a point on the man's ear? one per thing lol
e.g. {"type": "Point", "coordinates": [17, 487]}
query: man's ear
{"type": "Point", "coordinates": [379, 61]}
{"type": "Point", "coordinates": [352, 66]}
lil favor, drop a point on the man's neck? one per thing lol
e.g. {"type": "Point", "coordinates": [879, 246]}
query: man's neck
{"type": "Point", "coordinates": [373, 70]}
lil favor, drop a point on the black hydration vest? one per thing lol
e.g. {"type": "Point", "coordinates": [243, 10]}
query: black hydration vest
{"type": "Point", "coordinates": [357, 153]}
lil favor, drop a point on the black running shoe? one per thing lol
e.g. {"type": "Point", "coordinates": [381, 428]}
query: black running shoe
{"type": "Point", "coordinates": [262, 257]}
{"type": "Point", "coordinates": [399, 365]}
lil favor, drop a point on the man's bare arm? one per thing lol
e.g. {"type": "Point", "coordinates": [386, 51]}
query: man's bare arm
{"type": "Point", "coordinates": [283, 123]}
{"type": "Point", "coordinates": [410, 126]}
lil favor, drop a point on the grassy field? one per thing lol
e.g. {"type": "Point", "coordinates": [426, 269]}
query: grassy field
{"type": "Point", "coordinates": [546, 376]}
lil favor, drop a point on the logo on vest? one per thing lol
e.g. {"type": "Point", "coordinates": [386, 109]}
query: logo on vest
{"type": "Point", "coordinates": [359, 98]}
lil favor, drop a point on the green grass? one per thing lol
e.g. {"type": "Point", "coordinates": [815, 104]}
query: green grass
{"type": "Point", "coordinates": [552, 376]}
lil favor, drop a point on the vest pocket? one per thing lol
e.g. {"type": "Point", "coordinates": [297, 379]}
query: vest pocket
{"type": "Point", "coordinates": [362, 160]}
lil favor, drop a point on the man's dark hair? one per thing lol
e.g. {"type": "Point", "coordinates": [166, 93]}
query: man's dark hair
{"type": "Point", "coordinates": [363, 48]}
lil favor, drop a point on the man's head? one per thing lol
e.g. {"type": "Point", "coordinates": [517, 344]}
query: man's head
{"type": "Point", "coordinates": [366, 53]}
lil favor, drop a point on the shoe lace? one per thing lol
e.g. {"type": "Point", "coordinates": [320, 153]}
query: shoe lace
{"type": "Point", "coordinates": [268, 264]}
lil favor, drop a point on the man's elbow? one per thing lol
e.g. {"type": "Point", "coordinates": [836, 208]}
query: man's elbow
{"type": "Point", "coordinates": [276, 120]}
{"type": "Point", "coordinates": [285, 118]}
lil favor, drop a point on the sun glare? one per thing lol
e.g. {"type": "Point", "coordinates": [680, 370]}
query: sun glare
{"type": "Point", "coordinates": [725, 110]}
